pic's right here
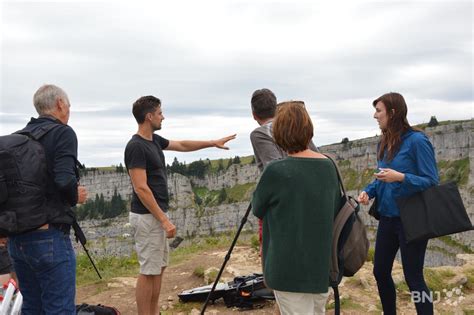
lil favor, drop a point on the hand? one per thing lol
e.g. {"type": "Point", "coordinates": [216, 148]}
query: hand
{"type": "Point", "coordinates": [389, 176]}
{"type": "Point", "coordinates": [363, 198]}
{"type": "Point", "coordinates": [220, 142]}
{"type": "Point", "coordinates": [169, 228]}
{"type": "Point", "coordinates": [3, 241]}
{"type": "Point", "coordinates": [81, 194]}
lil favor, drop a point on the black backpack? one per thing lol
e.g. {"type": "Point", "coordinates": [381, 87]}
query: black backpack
{"type": "Point", "coordinates": [245, 291]}
{"type": "Point", "coordinates": [23, 178]}
{"type": "Point", "coordinates": [86, 309]}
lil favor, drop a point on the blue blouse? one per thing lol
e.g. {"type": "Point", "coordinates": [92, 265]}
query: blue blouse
{"type": "Point", "coordinates": [416, 159]}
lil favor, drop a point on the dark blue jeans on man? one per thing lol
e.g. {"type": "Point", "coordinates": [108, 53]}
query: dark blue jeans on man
{"type": "Point", "coordinates": [46, 268]}
{"type": "Point", "coordinates": [390, 237]}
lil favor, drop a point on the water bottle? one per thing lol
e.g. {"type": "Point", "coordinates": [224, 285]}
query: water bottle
{"type": "Point", "coordinates": [8, 291]}
{"type": "Point", "coordinates": [17, 304]}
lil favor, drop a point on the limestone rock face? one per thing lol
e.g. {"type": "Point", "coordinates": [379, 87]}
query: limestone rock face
{"type": "Point", "coordinates": [236, 174]}
{"type": "Point", "coordinates": [221, 218]}
{"type": "Point", "coordinates": [453, 141]}
{"type": "Point", "coordinates": [180, 191]}
{"type": "Point", "coordinates": [105, 182]}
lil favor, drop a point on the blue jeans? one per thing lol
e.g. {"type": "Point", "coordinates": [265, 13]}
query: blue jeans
{"type": "Point", "coordinates": [390, 237]}
{"type": "Point", "coordinates": [45, 264]}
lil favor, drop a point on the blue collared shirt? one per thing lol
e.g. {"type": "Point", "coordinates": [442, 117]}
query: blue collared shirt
{"type": "Point", "coordinates": [415, 159]}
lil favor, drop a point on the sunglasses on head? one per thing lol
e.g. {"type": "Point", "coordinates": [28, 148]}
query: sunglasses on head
{"type": "Point", "coordinates": [300, 103]}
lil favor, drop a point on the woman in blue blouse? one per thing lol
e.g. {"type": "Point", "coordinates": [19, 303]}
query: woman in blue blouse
{"type": "Point", "coordinates": [406, 163]}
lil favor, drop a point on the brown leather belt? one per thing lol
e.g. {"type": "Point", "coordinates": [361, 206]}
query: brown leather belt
{"type": "Point", "coordinates": [44, 227]}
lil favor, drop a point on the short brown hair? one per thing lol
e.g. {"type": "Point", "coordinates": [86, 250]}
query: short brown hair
{"type": "Point", "coordinates": [292, 127]}
{"type": "Point", "coordinates": [264, 103]}
{"type": "Point", "coordinates": [143, 106]}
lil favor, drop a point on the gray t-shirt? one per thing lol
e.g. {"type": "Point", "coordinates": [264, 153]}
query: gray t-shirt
{"type": "Point", "coordinates": [264, 147]}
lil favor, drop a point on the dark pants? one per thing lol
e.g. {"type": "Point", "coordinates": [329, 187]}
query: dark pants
{"type": "Point", "coordinates": [390, 238]}
{"type": "Point", "coordinates": [5, 262]}
{"type": "Point", "coordinates": [46, 268]}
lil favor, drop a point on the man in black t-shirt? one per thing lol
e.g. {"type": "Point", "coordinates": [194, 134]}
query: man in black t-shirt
{"type": "Point", "coordinates": [146, 166]}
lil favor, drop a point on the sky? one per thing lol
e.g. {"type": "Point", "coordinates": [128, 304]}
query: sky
{"type": "Point", "coordinates": [204, 59]}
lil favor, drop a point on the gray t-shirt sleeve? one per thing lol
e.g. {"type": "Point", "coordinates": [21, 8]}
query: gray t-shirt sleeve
{"type": "Point", "coordinates": [265, 149]}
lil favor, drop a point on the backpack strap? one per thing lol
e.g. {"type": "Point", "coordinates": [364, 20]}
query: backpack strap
{"type": "Point", "coordinates": [38, 133]}
{"type": "Point", "coordinates": [339, 177]}
{"type": "Point", "coordinates": [337, 302]}
{"type": "Point", "coordinates": [341, 184]}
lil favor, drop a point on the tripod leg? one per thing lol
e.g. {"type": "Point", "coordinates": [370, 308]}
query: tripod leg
{"type": "Point", "coordinates": [226, 259]}
{"type": "Point", "coordinates": [92, 262]}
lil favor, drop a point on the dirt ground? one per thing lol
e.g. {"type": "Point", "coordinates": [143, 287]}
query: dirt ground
{"type": "Point", "coordinates": [120, 292]}
{"type": "Point", "coordinates": [358, 294]}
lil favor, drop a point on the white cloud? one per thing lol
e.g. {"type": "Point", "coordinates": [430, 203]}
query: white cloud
{"type": "Point", "coordinates": [204, 59]}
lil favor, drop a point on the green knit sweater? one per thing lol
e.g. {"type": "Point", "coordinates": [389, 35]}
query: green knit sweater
{"type": "Point", "coordinates": [297, 199]}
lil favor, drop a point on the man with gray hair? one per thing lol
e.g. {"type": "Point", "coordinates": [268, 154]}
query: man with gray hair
{"type": "Point", "coordinates": [44, 258]}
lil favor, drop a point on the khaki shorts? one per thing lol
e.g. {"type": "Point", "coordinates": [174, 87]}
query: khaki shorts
{"type": "Point", "coordinates": [151, 243]}
{"type": "Point", "coordinates": [301, 303]}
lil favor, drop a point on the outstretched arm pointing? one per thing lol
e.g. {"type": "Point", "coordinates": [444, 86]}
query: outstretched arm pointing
{"type": "Point", "coordinates": [194, 145]}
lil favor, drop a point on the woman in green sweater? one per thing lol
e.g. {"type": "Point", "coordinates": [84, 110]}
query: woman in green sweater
{"type": "Point", "coordinates": [297, 198]}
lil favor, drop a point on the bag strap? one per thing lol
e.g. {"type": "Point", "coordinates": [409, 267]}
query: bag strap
{"type": "Point", "coordinates": [339, 177]}
{"type": "Point", "coordinates": [349, 199]}
{"type": "Point", "coordinates": [38, 133]}
{"type": "Point", "coordinates": [337, 302]}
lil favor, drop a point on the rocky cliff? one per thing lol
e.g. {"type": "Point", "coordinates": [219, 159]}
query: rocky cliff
{"type": "Point", "coordinates": [195, 215]}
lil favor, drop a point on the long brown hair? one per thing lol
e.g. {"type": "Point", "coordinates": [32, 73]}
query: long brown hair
{"type": "Point", "coordinates": [397, 124]}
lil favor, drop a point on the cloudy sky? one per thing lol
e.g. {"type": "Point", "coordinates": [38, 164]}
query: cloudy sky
{"type": "Point", "coordinates": [204, 59]}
